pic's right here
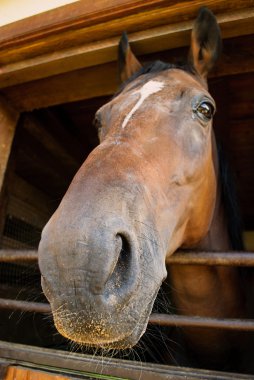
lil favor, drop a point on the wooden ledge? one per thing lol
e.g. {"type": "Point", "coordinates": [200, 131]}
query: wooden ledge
{"type": "Point", "coordinates": [37, 55]}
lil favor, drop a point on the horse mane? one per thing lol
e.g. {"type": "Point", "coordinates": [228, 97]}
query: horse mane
{"type": "Point", "coordinates": [227, 182]}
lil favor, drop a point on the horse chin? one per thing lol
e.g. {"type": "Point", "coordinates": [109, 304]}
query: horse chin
{"type": "Point", "coordinates": [119, 344]}
{"type": "Point", "coordinates": [100, 333]}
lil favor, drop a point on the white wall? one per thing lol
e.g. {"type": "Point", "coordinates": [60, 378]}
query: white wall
{"type": "Point", "coordinates": [13, 10]}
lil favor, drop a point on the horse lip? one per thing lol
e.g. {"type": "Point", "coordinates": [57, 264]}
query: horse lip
{"type": "Point", "coordinates": [126, 341]}
{"type": "Point", "coordinates": [133, 337]}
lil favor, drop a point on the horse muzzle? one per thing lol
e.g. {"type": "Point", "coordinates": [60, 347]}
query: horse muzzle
{"type": "Point", "coordinates": [99, 289]}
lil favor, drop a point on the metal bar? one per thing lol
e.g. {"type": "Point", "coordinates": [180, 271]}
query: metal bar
{"type": "Point", "coordinates": [245, 259]}
{"type": "Point", "coordinates": [36, 307]}
{"type": "Point", "coordinates": [178, 258]}
{"type": "Point", "coordinates": [11, 255]}
{"type": "Point", "coordinates": [193, 321]}
{"type": "Point", "coordinates": [158, 319]}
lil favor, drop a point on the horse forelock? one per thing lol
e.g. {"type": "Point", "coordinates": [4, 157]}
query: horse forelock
{"type": "Point", "coordinates": [154, 68]}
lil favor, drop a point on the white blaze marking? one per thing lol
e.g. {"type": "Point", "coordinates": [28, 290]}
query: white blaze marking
{"type": "Point", "coordinates": [148, 89]}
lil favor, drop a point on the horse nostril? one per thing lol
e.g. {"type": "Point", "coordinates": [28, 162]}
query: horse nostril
{"type": "Point", "coordinates": [119, 277]}
{"type": "Point", "coordinates": [124, 255]}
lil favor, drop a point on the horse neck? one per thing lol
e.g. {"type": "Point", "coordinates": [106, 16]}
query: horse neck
{"type": "Point", "coordinates": [207, 290]}
{"type": "Point", "coordinates": [217, 238]}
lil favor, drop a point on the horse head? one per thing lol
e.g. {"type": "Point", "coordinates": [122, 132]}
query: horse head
{"type": "Point", "coordinates": [146, 190]}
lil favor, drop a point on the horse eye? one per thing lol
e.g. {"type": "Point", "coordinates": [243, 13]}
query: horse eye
{"type": "Point", "coordinates": [205, 110]}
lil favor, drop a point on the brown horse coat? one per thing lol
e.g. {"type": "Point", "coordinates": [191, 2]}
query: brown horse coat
{"type": "Point", "coordinates": [151, 187]}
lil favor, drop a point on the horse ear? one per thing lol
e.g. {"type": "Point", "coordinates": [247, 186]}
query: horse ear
{"type": "Point", "coordinates": [128, 63]}
{"type": "Point", "coordinates": [205, 42]}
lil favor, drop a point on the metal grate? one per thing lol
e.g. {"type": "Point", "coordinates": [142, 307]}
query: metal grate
{"type": "Point", "coordinates": [20, 275]}
{"type": "Point", "coordinates": [21, 233]}
{"type": "Point", "coordinates": [179, 258]}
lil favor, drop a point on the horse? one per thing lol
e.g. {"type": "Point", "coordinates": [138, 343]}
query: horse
{"type": "Point", "coordinates": [152, 186]}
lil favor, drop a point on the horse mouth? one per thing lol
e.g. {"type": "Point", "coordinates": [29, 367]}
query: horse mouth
{"type": "Point", "coordinates": [103, 333]}
{"type": "Point", "coordinates": [105, 340]}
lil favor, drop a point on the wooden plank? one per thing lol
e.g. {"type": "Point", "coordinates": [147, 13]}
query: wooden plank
{"type": "Point", "coordinates": [42, 172]}
{"type": "Point", "coordinates": [77, 85]}
{"type": "Point", "coordinates": [80, 14]}
{"type": "Point", "coordinates": [25, 203]}
{"type": "Point", "coordinates": [81, 365]}
{"type": "Point", "coordinates": [237, 58]}
{"type": "Point", "coordinates": [8, 121]}
{"type": "Point", "coordinates": [156, 39]}
{"type": "Point", "coordinates": [35, 215]}
{"type": "Point", "coordinates": [96, 81]}
{"type": "Point", "coordinates": [62, 129]}
{"type": "Point", "coordinates": [14, 373]}
{"type": "Point", "coordinates": [32, 196]}
{"type": "Point", "coordinates": [101, 80]}
{"type": "Point", "coordinates": [103, 19]}
{"type": "Point", "coordinates": [12, 244]}
{"type": "Point", "coordinates": [36, 129]}
{"type": "Point", "coordinates": [40, 166]}
{"type": "Point", "coordinates": [3, 370]}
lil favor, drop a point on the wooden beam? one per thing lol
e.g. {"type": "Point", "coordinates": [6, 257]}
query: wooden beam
{"type": "Point", "coordinates": [33, 197]}
{"type": "Point", "coordinates": [237, 57]}
{"type": "Point", "coordinates": [8, 121]}
{"type": "Point", "coordinates": [69, 87]}
{"type": "Point", "coordinates": [88, 21]}
{"type": "Point", "coordinates": [67, 363]}
{"type": "Point", "coordinates": [38, 167]}
{"type": "Point", "coordinates": [234, 23]}
{"type": "Point", "coordinates": [72, 16]}
{"type": "Point", "coordinates": [61, 129]}
{"type": "Point", "coordinates": [36, 129]}
{"type": "Point", "coordinates": [101, 80]}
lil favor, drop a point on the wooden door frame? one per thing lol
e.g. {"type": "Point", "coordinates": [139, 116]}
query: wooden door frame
{"type": "Point", "coordinates": [8, 122]}
{"type": "Point", "coordinates": [79, 40]}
